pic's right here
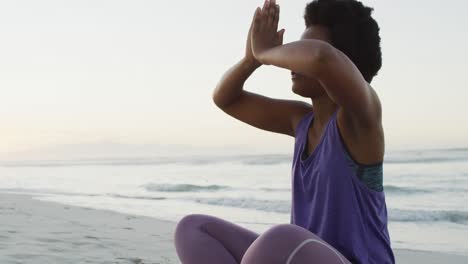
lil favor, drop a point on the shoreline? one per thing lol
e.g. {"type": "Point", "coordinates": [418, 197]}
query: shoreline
{"type": "Point", "coordinates": [34, 231]}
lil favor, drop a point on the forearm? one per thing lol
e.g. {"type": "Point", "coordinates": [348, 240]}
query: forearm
{"type": "Point", "coordinates": [232, 82]}
{"type": "Point", "coordinates": [304, 57]}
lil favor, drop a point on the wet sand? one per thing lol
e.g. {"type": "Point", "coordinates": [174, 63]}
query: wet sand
{"type": "Point", "coordinates": [33, 231]}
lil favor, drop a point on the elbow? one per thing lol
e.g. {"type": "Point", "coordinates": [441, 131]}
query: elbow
{"type": "Point", "coordinates": [219, 99]}
{"type": "Point", "coordinates": [216, 98]}
{"type": "Point", "coordinates": [224, 100]}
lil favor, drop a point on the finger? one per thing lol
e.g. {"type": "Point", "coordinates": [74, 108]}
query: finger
{"type": "Point", "coordinates": [265, 5]}
{"type": "Point", "coordinates": [281, 36]}
{"type": "Point", "coordinates": [257, 20]}
{"type": "Point", "coordinates": [254, 17]}
{"type": "Point", "coordinates": [271, 13]}
{"type": "Point", "coordinates": [264, 18]}
{"type": "Point", "coordinates": [276, 20]}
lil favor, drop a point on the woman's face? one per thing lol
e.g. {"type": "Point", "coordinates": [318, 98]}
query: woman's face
{"type": "Point", "coordinates": [303, 85]}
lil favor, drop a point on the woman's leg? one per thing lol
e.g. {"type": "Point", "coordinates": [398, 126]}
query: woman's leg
{"type": "Point", "coordinates": [208, 239]}
{"type": "Point", "coordinates": [291, 244]}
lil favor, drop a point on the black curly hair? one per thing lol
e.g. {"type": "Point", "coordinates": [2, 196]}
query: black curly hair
{"type": "Point", "coordinates": [352, 30]}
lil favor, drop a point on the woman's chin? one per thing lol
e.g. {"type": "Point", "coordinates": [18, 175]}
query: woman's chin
{"type": "Point", "coordinates": [297, 90]}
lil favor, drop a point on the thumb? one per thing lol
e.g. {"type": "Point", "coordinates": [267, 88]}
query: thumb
{"type": "Point", "coordinates": [281, 35]}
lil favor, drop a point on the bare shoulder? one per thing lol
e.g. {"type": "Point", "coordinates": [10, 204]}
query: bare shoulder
{"type": "Point", "coordinates": [302, 108]}
{"type": "Point", "coordinates": [366, 120]}
{"type": "Point", "coordinates": [363, 136]}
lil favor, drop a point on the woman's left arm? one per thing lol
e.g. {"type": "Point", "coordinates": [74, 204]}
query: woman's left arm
{"type": "Point", "coordinates": [341, 79]}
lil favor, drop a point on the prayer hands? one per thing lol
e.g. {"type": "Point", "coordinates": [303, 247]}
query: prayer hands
{"type": "Point", "coordinates": [264, 33]}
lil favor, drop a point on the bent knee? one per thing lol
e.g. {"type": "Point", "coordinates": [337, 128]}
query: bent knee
{"type": "Point", "coordinates": [288, 230]}
{"type": "Point", "coordinates": [276, 243]}
{"type": "Point", "coordinates": [191, 221]}
{"type": "Point", "coordinates": [280, 229]}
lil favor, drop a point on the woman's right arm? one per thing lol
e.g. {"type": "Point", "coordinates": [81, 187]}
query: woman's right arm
{"type": "Point", "coordinates": [270, 114]}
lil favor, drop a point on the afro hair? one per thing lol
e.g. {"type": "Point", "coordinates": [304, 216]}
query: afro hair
{"type": "Point", "coordinates": [352, 31]}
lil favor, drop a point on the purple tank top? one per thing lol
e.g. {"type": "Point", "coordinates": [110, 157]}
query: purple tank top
{"type": "Point", "coordinates": [330, 201]}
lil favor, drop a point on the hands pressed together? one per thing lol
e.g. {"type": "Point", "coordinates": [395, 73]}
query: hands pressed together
{"type": "Point", "coordinates": [263, 34]}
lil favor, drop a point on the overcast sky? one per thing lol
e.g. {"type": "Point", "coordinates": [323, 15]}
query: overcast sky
{"type": "Point", "coordinates": [143, 72]}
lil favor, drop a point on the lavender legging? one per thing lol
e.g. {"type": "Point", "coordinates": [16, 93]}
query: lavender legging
{"type": "Point", "coordinates": [205, 239]}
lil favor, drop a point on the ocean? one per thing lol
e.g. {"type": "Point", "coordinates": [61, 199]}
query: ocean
{"type": "Point", "coordinates": [426, 190]}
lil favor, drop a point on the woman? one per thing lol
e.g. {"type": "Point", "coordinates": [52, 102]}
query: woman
{"type": "Point", "coordinates": [338, 212]}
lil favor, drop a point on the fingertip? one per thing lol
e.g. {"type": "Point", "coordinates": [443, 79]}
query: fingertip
{"type": "Point", "coordinates": [257, 12]}
{"type": "Point", "coordinates": [282, 32]}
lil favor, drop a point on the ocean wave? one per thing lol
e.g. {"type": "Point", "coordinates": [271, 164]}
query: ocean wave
{"type": "Point", "coordinates": [151, 187]}
{"type": "Point", "coordinates": [403, 190]}
{"type": "Point", "coordinates": [277, 206]}
{"type": "Point", "coordinates": [424, 160]}
{"type": "Point", "coordinates": [399, 215]}
{"type": "Point", "coordinates": [275, 189]}
{"type": "Point", "coordinates": [391, 189]}
{"type": "Point", "coordinates": [48, 192]}
{"type": "Point", "coordinates": [459, 149]}
{"type": "Point", "coordinates": [135, 197]}
{"type": "Point", "coordinates": [45, 191]}
{"type": "Point", "coordinates": [284, 207]}
{"type": "Point", "coordinates": [427, 156]}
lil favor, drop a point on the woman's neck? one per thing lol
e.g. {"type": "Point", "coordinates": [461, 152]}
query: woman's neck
{"type": "Point", "coordinates": [323, 107]}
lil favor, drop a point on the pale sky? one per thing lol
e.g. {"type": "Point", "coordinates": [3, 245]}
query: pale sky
{"type": "Point", "coordinates": [143, 72]}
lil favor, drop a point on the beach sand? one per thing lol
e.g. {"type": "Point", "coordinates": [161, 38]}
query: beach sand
{"type": "Point", "coordinates": [33, 231]}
